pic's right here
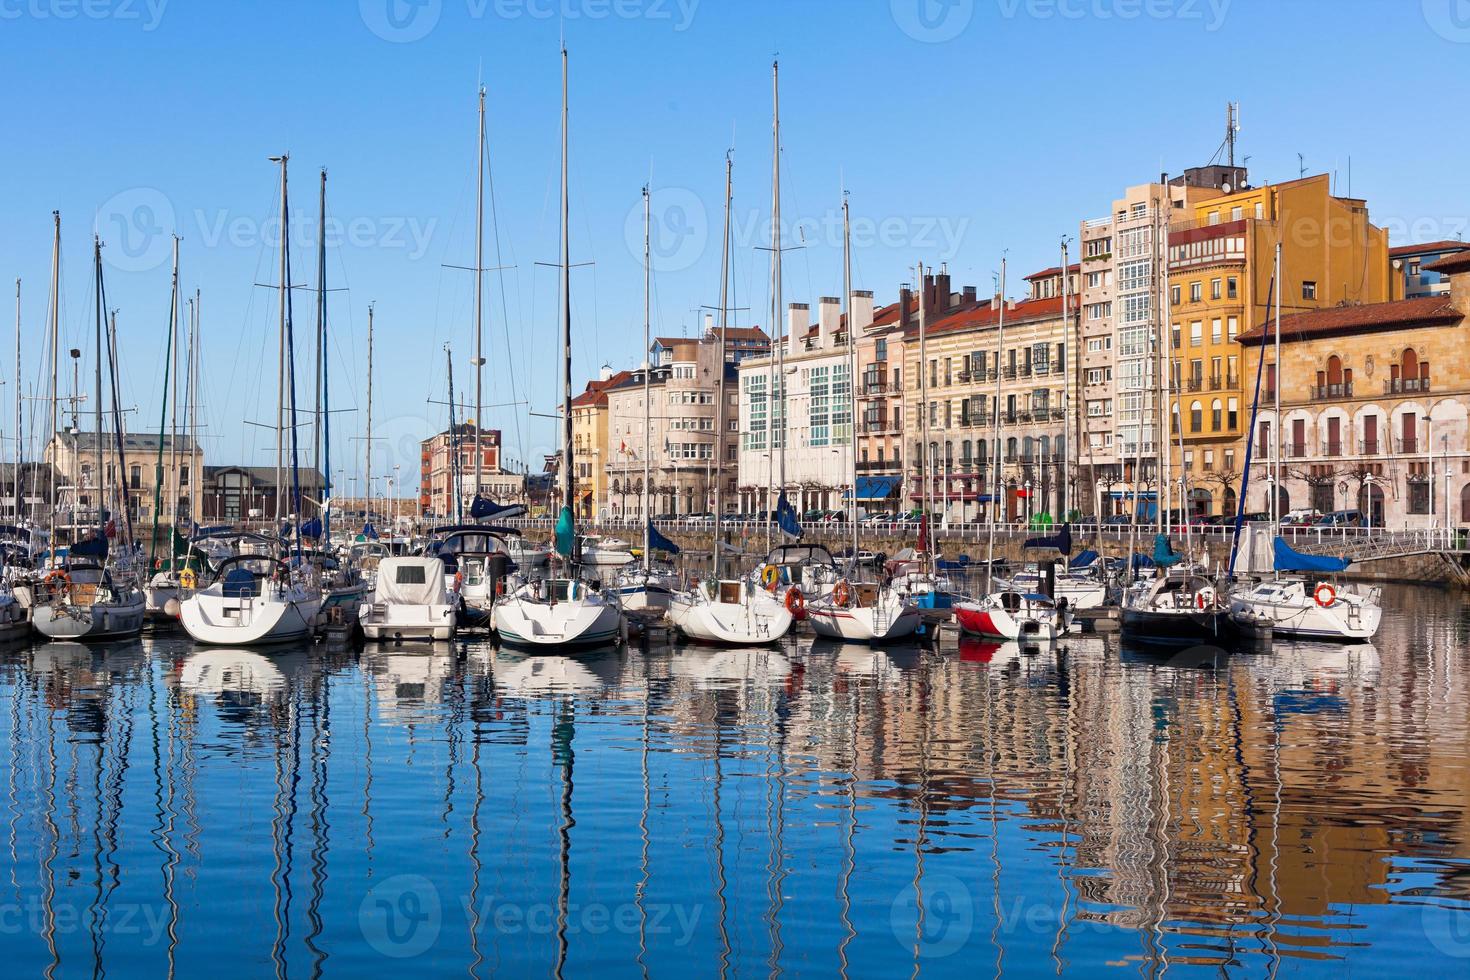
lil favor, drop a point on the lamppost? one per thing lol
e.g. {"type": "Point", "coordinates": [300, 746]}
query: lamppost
{"type": "Point", "coordinates": [1368, 502]}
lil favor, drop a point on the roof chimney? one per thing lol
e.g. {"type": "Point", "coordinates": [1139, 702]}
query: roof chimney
{"type": "Point", "coordinates": [709, 324]}
{"type": "Point", "coordinates": [798, 317]}
{"type": "Point", "coordinates": [905, 305]}
{"type": "Point", "coordinates": [829, 318]}
{"type": "Point", "coordinates": [606, 373]}
{"type": "Point", "coordinates": [941, 291]}
{"type": "Point", "coordinates": [970, 294]}
{"type": "Point", "coordinates": [860, 308]}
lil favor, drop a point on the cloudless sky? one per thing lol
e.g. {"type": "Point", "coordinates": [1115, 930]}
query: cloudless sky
{"type": "Point", "coordinates": [961, 129]}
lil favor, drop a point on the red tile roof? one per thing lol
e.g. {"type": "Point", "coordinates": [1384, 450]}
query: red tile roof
{"type": "Point", "coordinates": [1427, 247]}
{"type": "Point", "coordinates": [1422, 311]}
{"type": "Point", "coordinates": [1455, 262]}
{"type": "Point", "coordinates": [1055, 270]}
{"type": "Point", "coordinates": [983, 314]}
{"type": "Point", "coordinates": [596, 393]}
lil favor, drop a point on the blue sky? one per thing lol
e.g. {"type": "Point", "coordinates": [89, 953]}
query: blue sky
{"type": "Point", "coordinates": [961, 128]}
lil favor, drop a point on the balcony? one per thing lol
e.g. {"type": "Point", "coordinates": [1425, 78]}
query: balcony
{"type": "Point", "coordinates": [1296, 450]}
{"type": "Point", "coordinates": [1194, 384]}
{"type": "Point", "coordinates": [1324, 392]}
{"type": "Point", "coordinates": [1368, 447]}
{"type": "Point", "coordinates": [879, 388]}
{"type": "Point", "coordinates": [875, 426]}
{"type": "Point", "coordinates": [879, 466]}
{"type": "Point", "coordinates": [1010, 418]}
{"type": "Point", "coordinates": [1405, 386]}
{"type": "Point", "coordinates": [1023, 416]}
{"type": "Point", "coordinates": [1025, 370]}
{"type": "Point", "coordinates": [1008, 372]}
{"type": "Point", "coordinates": [962, 377]}
{"type": "Point", "coordinates": [1057, 415]}
{"type": "Point", "coordinates": [1331, 448]}
{"type": "Point", "coordinates": [1410, 445]}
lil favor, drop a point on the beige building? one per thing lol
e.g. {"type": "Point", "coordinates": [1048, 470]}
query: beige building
{"type": "Point", "coordinates": [81, 487]}
{"type": "Point", "coordinates": [437, 477]}
{"type": "Point", "coordinates": [880, 350]}
{"type": "Point", "coordinates": [976, 386]}
{"type": "Point", "coordinates": [681, 447]}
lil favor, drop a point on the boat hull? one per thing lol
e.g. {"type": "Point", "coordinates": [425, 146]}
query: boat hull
{"type": "Point", "coordinates": [96, 622]}
{"type": "Point", "coordinates": [249, 620]}
{"type": "Point", "coordinates": [996, 623]}
{"type": "Point", "coordinates": [882, 623]}
{"type": "Point", "coordinates": [528, 624]}
{"type": "Point", "coordinates": [405, 622]}
{"type": "Point", "coordinates": [1181, 626]}
{"type": "Point", "coordinates": [752, 622]}
{"type": "Point", "coordinates": [1295, 613]}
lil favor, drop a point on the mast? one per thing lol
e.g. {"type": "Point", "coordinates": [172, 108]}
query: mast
{"type": "Point", "coordinates": [1276, 391]}
{"type": "Point", "coordinates": [923, 410]}
{"type": "Point", "coordinates": [1165, 383]}
{"type": "Point", "coordinates": [19, 444]}
{"type": "Point", "coordinates": [173, 416]}
{"type": "Point", "coordinates": [996, 495]}
{"type": "Point", "coordinates": [1065, 495]}
{"type": "Point", "coordinates": [55, 340]}
{"type": "Point", "coordinates": [720, 424]}
{"type": "Point", "coordinates": [100, 319]}
{"type": "Point", "coordinates": [647, 389]}
{"type": "Point", "coordinates": [321, 325]}
{"type": "Point", "coordinates": [851, 372]}
{"type": "Point", "coordinates": [284, 289]}
{"type": "Point", "coordinates": [193, 420]}
{"type": "Point", "coordinates": [158, 476]}
{"type": "Point", "coordinates": [566, 323]}
{"type": "Point", "coordinates": [479, 290]}
{"type": "Point", "coordinates": [454, 464]}
{"type": "Point", "coordinates": [368, 490]}
{"type": "Point", "coordinates": [776, 259]}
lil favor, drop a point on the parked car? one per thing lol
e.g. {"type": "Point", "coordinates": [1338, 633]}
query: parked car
{"type": "Point", "coordinates": [1119, 520]}
{"type": "Point", "coordinates": [1342, 518]}
{"type": "Point", "coordinates": [1301, 518]}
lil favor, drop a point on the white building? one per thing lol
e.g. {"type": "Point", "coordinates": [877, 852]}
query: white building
{"type": "Point", "coordinates": [814, 420]}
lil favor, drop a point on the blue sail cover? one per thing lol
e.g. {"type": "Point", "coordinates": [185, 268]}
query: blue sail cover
{"type": "Point", "coordinates": [1291, 560]}
{"type": "Point", "coordinates": [786, 516]}
{"type": "Point", "coordinates": [1062, 540]}
{"type": "Point", "coordinates": [369, 533]}
{"type": "Point", "coordinates": [657, 540]}
{"type": "Point", "coordinates": [312, 528]}
{"type": "Point", "coordinates": [1164, 554]}
{"type": "Point", "coordinates": [480, 509]}
{"type": "Point", "coordinates": [90, 548]}
{"type": "Point", "coordinates": [566, 533]}
{"type": "Point", "coordinates": [1083, 559]}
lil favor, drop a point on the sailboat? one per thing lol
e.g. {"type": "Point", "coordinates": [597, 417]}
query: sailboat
{"type": "Point", "coordinates": [1297, 605]}
{"type": "Point", "coordinates": [569, 611]}
{"type": "Point", "coordinates": [85, 596]}
{"type": "Point", "coordinates": [257, 599]}
{"type": "Point", "coordinates": [866, 612]}
{"type": "Point", "coordinates": [734, 612]}
{"type": "Point", "coordinates": [646, 589]}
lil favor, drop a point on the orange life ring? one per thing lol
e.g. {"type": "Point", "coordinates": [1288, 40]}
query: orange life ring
{"type": "Point", "coordinates": [1199, 600]}
{"type": "Point", "coordinates": [1329, 591]}
{"type": "Point", "coordinates": [458, 580]}
{"type": "Point", "coordinates": [842, 593]}
{"type": "Point", "coordinates": [57, 576]}
{"type": "Point", "coordinates": [795, 602]}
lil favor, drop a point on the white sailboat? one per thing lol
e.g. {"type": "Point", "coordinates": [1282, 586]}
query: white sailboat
{"type": "Point", "coordinates": [648, 589]}
{"type": "Point", "coordinates": [570, 611]}
{"type": "Point", "coordinates": [256, 599]}
{"type": "Point", "coordinates": [732, 612]}
{"type": "Point", "coordinates": [409, 601]}
{"type": "Point", "coordinates": [868, 613]}
{"type": "Point", "coordinates": [84, 596]}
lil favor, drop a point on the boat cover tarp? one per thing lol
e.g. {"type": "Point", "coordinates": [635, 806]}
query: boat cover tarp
{"type": "Point", "coordinates": [480, 509]}
{"type": "Point", "coordinates": [90, 548]}
{"type": "Point", "coordinates": [369, 533]}
{"type": "Point", "coordinates": [1289, 559]}
{"type": "Point", "coordinates": [1061, 541]}
{"type": "Point", "coordinates": [411, 582]}
{"type": "Point", "coordinates": [566, 533]}
{"type": "Point", "coordinates": [1084, 558]}
{"type": "Point", "coordinates": [659, 542]}
{"type": "Point", "coordinates": [876, 487]}
{"type": "Point", "coordinates": [312, 529]}
{"type": "Point", "coordinates": [1164, 555]}
{"type": "Point", "coordinates": [786, 516]}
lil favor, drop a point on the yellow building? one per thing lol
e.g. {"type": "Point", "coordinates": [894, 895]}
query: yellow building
{"type": "Point", "coordinates": [589, 443]}
{"type": "Point", "coordinates": [1221, 263]}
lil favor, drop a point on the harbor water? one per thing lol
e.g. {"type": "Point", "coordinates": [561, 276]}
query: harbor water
{"type": "Point", "coordinates": [810, 809]}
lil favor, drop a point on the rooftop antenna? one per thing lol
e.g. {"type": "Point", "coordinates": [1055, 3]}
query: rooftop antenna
{"type": "Point", "coordinates": [1301, 166]}
{"type": "Point", "coordinates": [1232, 126]}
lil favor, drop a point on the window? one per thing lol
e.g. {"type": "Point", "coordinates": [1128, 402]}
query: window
{"type": "Point", "coordinates": [1196, 416]}
{"type": "Point", "coordinates": [1214, 289]}
{"type": "Point", "coordinates": [880, 350]}
{"type": "Point", "coordinates": [1196, 333]}
{"type": "Point", "coordinates": [1309, 289]}
{"type": "Point", "coordinates": [1232, 327]}
{"type": "Point", "coordinates": [1041, 358]}
{"type": "Point", "coordinates": [1174, 295]}
{"type": "Point", "coordinates": [1260, 211]}
{"type": "Point", "coordinates": [1216, 333]}
{"type": "Point", "coordinates": [1232, 290]}
{"type": "Point", "coordinates": [1099, 311]}
{"type": "Point", "coordinates": [1217, 410]}
{"type": "Point", "coordinates": [135, 477]}
{"type": "Point", "coordinates": [1235, 213]}
{"type": "Point", "coordinates": [1188, 460]}
{"type": "Point", "coordinates": [1209, 459]}
{"type": "Point", "coordinates": [1233, 414]}
{"type": "Point", "coordinates": [1176, 336]}
{"type": "Point", "coordinates": [1195, 291]}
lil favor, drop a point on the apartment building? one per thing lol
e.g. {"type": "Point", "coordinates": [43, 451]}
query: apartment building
{"type": "Point", "coordinates": [801, 424]}
{"type": "Point", "coordinates": [683, 451]}
{"type": "Point", "coordinates": [1410, 267]}
{"type": "Point", "coordinates": [1373, 408]}
{"type": "Point", "coordinates": [437, 473]}
{"type": "Point", "coordinates": [880, 354]}
{"type": "Point", "coordinates": [990, 370]}
{"type": "Point", "coordinates": [1221, 264]}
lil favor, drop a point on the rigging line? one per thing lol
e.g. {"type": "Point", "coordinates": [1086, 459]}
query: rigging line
{"type": "Point", "coordinates": [504, 308]}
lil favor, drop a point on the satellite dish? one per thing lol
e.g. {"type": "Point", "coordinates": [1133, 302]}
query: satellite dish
{"type": "Point", "coordinates": [1226, 187]}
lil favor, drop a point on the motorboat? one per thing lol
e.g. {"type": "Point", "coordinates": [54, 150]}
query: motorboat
{"type": "Point", "coordinates": [558, 612]}
{"type": "Point", "coordinates": [1014, 615]}
{"type": "Point", "coordinates": [410, 600]}
{"type": "Point", "coordinates": [477, 561]}
{"type": "Point", "coordinates": [1302, 607]}
{"type": "Point", "coordinates": [864, 612]}
{"type": "Point", "coordinates": [1177, 606]}
{"type": "Point", "coordinates": [606, 552]}
{"type": "Point", "coordinates": [15, 616]}
{"type": "Point", "coordinates": [647, 589]}
{"type": "Point", "coordinates": [254, 600]}
{"type": "Point", "coordinates": [734, 613]}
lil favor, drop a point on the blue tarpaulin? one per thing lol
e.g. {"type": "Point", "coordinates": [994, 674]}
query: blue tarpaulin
{"type": "Point", "coordinates": [369, 533]}
{"type": "Point", "coordinates": [658, 541]}
{"type": "Point", "coordinates": [1083, 559]}
{"type": "Point", "coordinates": [876, 487]}
{"type": "Point", "coordinates": [480, 508]}
{"type": "Point", "coordinates": [1164, 554]}
{"type": "Point", "coordinates": [1290, 560]}
{"type": "Point", "coordinates": [312, 528]}
{"type": "Point", "coordinates": [786, 516]}
{"type": "Point", "coordinates": [1062, 541]}
{"type": "Point", "coordinates": [90, 548]}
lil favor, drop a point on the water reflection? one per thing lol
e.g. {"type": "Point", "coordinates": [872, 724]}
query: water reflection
{"type": "Point", "coordinates": [816, 808]}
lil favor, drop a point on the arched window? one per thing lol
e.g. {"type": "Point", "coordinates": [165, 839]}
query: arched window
{"type": "Point", "coordinates": [1409, 363]}
{"type": "Point", "coordinates": [966, 452]}
{"type": "Point", "coordinates": [1217, 409]}
{"type": "Point", "coordinates": [1011, 449]}
{"type": "Point", "coordinates": [1028, 448]}
{"type": "Point", "coordinates": [1045, 447]}
{"type": "Point", "coordinates": [1196, 416]}
{"type": "Point", "coordinates": [1334, 370]}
